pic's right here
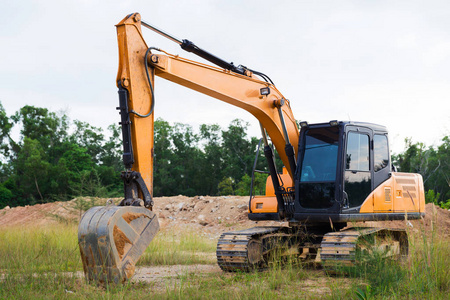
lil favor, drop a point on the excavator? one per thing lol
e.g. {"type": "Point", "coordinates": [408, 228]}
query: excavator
{"type": "Point", "coordinates": [334, 173]}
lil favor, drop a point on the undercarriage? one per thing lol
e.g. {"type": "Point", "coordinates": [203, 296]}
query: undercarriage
{"type": "Point", "coordinates": [259, 247]}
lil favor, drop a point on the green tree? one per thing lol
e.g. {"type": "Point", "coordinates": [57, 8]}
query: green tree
{"type": "Point", "coordinates": [41, 125]}
{"type": "Point", "coordinates": [259, 185]}
{"type": "Point", "coordinates": [32, 170]}
{"type": "Point", "coordinates": [111, 154]}
{"type": "Point", "coordinates": [226, 186]}
{"type": "Point", "coordinates": [6, 124]}
{"type": "Point", "coordinates": [108, 171]}
{"type": "Point", "coordinates": [89, 137]}
{"type": "Point", "coordinates": [72, 167]}
{"type": "Point", "coordinates": [186, 159]}
{"type": "Point", "coordinates": [432, 163]}
{"type": "Point", "coordinates": [439, 178]}
{"type": "Point", "coordinates": [47, 163]}
{"type": "Point", "coordinates": [238, 151]}
{"type": "Point", "coordinates": [6, 196]}
{"type": "Point", "coordinates": [164, 183]}
{"type": "Point", "coordinates": [432, 197]}
{"type": "Point", "coordinates": [213, 164]}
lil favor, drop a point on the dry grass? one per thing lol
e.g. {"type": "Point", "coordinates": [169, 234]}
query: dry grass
{"type": "Point", "coordinates": [44, 263]}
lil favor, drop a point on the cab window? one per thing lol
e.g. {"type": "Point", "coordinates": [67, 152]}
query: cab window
{"type": "Point", "coordinates": [357, 178]}
{"type": "Point", "coordinates": [380, 151]}
{"type": "Point", "coordinates": [357, 157]}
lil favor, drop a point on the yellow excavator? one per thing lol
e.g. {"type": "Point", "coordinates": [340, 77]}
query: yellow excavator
{"type": "Point", "coordinates": [334, 173]}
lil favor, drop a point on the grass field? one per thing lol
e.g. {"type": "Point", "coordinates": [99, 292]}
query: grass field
{"type": "Point", "coordinates": [44, 263]}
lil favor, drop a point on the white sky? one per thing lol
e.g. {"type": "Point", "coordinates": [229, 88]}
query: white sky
{"type": "Point", "coordinates": [385, 62]}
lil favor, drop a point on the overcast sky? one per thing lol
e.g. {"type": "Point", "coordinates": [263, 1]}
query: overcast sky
{"type": "Point", "coordinates": [385, 62]}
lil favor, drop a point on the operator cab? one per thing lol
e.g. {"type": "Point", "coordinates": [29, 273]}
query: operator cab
{"type": "Point", "coordinates": [339, 165]}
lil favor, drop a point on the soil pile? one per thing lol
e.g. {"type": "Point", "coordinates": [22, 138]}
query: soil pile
{"type": "Point", "coordinates": [206, 215]}
{"type": "Point", "coordinates": [436, 219]}
{"type": "Point", "coordinates": [39, 214]}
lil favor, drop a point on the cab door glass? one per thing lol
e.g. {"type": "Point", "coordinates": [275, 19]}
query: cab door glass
{"type": "Point", "coordinates": [380, 152]}
{"type": "Point", "coordinates": [357, 157]}
{"type": "Point", "coordinates": [357, 168]}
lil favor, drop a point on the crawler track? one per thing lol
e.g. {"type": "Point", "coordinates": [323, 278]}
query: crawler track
{"type": "Point", "coordinates": [254, 248]}
{"type": "Point", "coordinates": [242, 250]}
{"type": "Point", "coordinates": [350, 246]}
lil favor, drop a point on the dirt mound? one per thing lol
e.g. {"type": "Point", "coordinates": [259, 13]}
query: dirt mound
{"type": "Point", "coordinates": [436, 219]}
{"type": "Point", "coordinates": [204, 214]}
{"type": "Point", "coordinates": [39, 214]}
{"type": "Point", "coordinates": [208, 215]}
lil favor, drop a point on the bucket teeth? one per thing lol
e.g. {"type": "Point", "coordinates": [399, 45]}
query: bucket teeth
{"type": "Point", "coordinates": [111, 240]}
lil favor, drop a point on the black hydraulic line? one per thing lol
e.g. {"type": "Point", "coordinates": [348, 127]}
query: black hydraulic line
{"type": "Point", "coordinates": [125, 122]}
{"type": "Point", "coordinates": [262, 75]}
{"type": "Point", "coordinates": [152, 107]}
{"type": "Point", "coordinates": [288, 149]}
{"type": "Point", "coordinates": [191, 47]}
{"type": "Point", "coordinates": [268, 153]}
{"type": "Point", "coordinates": [290, 153]}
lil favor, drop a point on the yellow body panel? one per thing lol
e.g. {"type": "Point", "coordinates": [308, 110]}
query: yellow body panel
{"type": "Point", "coordinates": [285, 179]}
{"type": "Point", "coordinates": [268, 203]}
{"type": "Point", "coordinates": [264, 204]}
{"type": "Point", "coordinates": [402, 192]}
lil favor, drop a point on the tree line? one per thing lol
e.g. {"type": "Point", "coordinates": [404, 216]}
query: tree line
{"type": "Point", "coordinates": [55, 159]}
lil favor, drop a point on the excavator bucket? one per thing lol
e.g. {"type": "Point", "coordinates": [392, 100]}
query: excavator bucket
{"type": "Point", "coordinates": [111, 240]}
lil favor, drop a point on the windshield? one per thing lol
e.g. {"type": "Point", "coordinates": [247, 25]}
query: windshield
{"type": "Point", "coordinates": [320, 156]}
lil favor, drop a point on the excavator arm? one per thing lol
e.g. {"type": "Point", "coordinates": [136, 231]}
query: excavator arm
{"type": "Point", "coordinates": [242, 90]}
{"type": "Point", "coordinates": [112, 238]}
